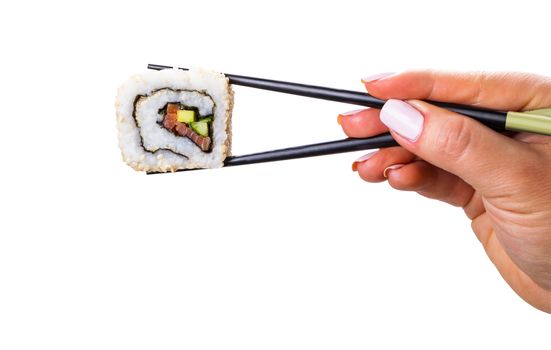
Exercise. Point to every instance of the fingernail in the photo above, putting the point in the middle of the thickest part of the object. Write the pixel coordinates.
(402, 118)
(356, 111)
(348, 114)
(362, 159)
(376, 77)
(392, 167)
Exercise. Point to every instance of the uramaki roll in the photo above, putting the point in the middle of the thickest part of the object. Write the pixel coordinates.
(172, 119)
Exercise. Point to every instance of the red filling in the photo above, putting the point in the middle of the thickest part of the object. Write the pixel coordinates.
(171, 123)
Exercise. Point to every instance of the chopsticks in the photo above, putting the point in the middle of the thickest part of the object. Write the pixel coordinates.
(491, 118)
(538, 121)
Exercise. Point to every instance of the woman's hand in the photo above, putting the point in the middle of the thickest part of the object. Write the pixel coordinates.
(502, 183)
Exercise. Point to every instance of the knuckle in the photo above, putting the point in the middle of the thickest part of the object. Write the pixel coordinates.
(454, 137)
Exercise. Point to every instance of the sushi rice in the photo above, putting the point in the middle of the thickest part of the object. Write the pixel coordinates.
(148, 146)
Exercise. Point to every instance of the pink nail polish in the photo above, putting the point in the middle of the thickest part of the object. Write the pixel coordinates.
(362, 159)
(392, 167)
(376, 77)
(402, 118)
(356, 111)
(365, 157)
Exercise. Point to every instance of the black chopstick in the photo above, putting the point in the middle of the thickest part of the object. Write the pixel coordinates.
(490, 118)
(313, 150)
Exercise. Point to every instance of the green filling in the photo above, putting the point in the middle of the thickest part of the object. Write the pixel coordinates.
(200, 127)
(206, 119)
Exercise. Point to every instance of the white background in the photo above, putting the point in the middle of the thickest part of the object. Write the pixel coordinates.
(299, 254)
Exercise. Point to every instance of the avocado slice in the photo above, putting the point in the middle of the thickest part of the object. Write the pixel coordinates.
(185, 116)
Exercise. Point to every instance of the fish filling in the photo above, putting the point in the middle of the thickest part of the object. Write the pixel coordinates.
(185, 121)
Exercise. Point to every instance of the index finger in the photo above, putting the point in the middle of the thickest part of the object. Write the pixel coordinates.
(497, 90)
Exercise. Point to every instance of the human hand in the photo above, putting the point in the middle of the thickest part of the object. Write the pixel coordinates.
(502, 183)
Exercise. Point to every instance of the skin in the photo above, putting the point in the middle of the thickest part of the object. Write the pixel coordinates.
(502, 181)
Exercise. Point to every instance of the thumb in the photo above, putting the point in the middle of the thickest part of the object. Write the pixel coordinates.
(457, 144)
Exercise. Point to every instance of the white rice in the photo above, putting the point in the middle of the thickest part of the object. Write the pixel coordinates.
(146, 145)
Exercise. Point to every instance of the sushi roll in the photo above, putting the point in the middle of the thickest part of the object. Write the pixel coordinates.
(172, 119)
